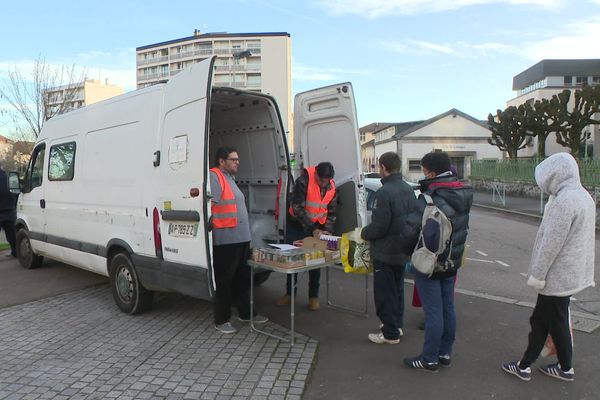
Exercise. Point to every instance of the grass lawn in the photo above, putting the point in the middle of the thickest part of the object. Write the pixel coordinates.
(4, 246)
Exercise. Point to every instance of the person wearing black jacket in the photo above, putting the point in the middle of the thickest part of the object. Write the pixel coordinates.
(437, 291)
(389, 250)
(314, 186)
(8, 212)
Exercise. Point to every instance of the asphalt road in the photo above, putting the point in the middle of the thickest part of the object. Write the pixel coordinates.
(498, 254)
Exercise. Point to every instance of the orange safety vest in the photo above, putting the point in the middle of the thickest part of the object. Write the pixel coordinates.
(315, 206)
(224, 213)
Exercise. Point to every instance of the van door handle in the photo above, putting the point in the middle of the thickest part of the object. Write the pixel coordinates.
(42, 203)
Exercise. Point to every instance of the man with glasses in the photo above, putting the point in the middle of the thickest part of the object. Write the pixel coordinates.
(231, 242)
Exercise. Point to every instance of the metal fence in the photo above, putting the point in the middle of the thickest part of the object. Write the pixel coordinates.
(523, 170)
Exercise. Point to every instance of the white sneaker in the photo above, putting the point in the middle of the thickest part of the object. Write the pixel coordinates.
(226, 328)
(400, 332)
(380, 339)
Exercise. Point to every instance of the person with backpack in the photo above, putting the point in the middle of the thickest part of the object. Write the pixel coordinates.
(438, 228)
(562, 264)
(389, 252)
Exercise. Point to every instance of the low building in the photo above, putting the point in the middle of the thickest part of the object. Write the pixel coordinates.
(547, 78)
(463, 137)
(69, 97)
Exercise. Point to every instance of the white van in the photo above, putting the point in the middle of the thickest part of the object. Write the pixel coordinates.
(122, 187)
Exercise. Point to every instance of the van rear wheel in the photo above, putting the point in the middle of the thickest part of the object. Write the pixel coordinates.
(129, 294)
(27, 258)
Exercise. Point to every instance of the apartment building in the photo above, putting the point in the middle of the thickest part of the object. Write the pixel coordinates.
(550, 77)
(258, 62)
(69, 97)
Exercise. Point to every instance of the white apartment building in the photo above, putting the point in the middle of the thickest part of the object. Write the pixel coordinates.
(550, 77)
(258, 62)
(463, 137)
(69, 97)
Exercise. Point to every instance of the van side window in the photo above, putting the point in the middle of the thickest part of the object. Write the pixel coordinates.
(37, 167)
(61, 166)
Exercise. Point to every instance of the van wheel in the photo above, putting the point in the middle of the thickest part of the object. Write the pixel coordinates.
(27, 258)
(129, 294)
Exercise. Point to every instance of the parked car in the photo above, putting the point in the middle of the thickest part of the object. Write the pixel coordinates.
(372, 185)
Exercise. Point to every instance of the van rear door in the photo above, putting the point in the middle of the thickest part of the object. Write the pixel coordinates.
(182, 199)
(326, 129)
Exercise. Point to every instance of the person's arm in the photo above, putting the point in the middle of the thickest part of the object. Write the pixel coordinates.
(215, 188)
(299, 203)
(556, 225)
(380, 219)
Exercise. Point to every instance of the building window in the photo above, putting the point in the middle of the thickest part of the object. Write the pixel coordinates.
(568, 80)
(62, 162)
(414, 165)
(581, 80)
(595, 80)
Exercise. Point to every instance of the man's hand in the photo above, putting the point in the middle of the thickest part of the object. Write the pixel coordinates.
(317, 233)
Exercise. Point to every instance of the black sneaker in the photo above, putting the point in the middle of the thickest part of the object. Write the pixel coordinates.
(555, 371)
(445, 361)
(421, 365)
(514, 369)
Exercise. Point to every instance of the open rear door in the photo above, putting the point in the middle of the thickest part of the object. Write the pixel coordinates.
(183, 202)
(326, 129)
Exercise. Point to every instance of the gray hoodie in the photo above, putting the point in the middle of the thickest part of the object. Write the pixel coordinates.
(562, 260)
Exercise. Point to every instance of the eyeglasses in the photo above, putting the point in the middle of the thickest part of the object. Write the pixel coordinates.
(233, 159)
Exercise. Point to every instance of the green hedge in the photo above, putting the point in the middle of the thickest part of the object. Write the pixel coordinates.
(523, 170)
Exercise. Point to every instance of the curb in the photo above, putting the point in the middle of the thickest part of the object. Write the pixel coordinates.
(524, 214)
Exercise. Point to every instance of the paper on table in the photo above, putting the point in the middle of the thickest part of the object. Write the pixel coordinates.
(283, 246)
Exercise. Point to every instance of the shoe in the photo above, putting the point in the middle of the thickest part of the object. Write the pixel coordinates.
(514, 369)
(226, 328)
(380, 339)
(445, 361)
(400, 331)
(284, 300)
(555, 371)
(419, 364)
(313, 304)
(257, 319)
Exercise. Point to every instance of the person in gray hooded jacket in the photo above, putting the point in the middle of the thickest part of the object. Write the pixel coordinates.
(562, 264)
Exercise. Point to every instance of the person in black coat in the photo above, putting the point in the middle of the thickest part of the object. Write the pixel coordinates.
(437, 291)
(8, 212)
(389, 250)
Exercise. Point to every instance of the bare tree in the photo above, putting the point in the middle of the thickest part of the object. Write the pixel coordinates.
(27, 96)
(509, 130)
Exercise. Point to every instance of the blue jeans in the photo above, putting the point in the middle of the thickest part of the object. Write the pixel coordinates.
(388, 290)
(437, 297)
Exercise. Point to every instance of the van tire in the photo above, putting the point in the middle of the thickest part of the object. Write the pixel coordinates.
(27, 258)
(129, 294)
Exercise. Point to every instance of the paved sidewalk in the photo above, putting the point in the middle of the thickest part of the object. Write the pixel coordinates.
(532, 207)
(80, 346)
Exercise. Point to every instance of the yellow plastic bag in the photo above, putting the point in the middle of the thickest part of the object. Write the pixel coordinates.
(355, 253)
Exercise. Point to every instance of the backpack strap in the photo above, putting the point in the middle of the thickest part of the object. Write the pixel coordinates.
(428, 199)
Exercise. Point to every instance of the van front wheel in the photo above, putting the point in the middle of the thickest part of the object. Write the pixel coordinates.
(27, 258)
(129, 294)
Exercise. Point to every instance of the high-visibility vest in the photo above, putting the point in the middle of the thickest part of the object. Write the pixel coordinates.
(315, 206)
(224, 213)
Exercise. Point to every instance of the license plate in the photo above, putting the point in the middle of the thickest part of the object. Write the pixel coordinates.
(183, 230)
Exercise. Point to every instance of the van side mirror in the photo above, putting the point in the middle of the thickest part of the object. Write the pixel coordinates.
(14, 184)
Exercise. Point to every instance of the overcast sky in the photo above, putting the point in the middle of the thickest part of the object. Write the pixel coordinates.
(407, 59)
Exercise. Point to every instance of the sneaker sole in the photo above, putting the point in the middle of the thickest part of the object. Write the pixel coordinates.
(526, 379)
(555, 376)
(430, 371)
(385, 341)
(226, 332)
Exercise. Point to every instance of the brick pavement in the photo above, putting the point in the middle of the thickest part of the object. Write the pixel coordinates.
(80, 346)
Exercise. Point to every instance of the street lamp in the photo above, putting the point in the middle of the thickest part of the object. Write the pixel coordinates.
(238, 56)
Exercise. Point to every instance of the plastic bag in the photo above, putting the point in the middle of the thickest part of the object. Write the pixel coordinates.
(355, 253)
(549, 348)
